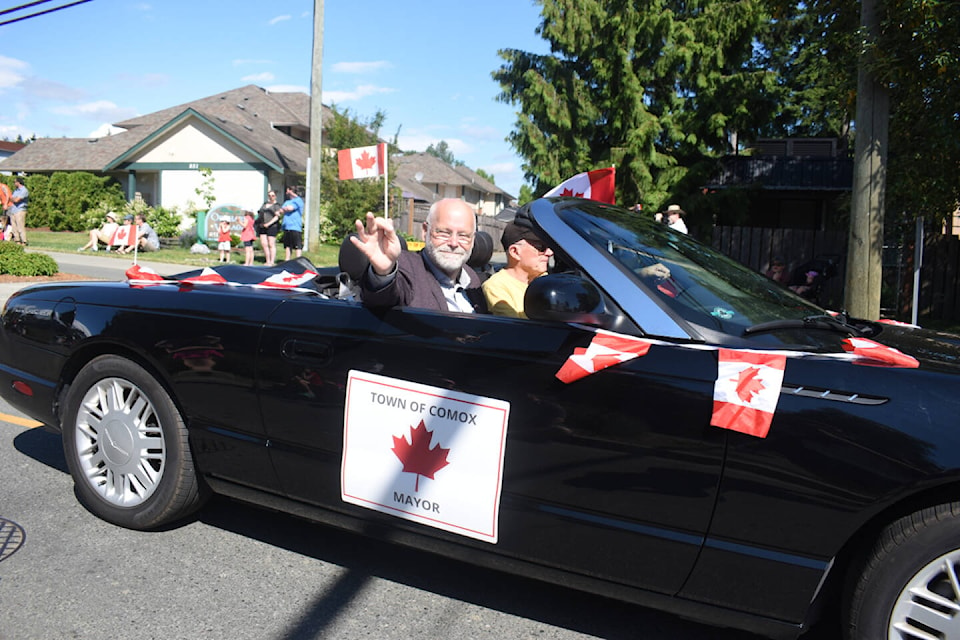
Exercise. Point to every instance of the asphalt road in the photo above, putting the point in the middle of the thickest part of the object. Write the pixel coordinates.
(240, 572)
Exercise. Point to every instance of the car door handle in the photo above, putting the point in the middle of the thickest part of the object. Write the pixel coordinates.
(300, 350)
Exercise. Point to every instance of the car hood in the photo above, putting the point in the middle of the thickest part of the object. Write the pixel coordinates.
(934, 349)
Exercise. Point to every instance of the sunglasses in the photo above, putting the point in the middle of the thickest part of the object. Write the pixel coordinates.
(539, 245)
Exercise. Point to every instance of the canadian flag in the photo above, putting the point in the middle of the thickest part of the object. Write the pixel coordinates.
(287, 280)
(594, 185)
(208, 276)
(362, 162)
(878, 354)
(606, 349)
(124, 236)
(747, 389)
(141, 273)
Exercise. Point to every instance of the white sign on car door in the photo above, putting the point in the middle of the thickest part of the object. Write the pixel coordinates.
(423, 453)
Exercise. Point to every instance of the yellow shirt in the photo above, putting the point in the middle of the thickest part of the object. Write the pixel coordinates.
(504, 295)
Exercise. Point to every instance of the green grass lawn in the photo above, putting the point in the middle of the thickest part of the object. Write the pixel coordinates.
(69, 241)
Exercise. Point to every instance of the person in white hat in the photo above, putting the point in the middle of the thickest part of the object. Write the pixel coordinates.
(104, 234)
(675, 218)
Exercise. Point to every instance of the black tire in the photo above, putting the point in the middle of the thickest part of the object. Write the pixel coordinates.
(914, 556)
(126, 446)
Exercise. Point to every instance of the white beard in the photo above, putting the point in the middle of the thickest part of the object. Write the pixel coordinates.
(448, 261)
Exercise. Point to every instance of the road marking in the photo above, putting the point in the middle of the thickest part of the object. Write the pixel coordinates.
(23, 422)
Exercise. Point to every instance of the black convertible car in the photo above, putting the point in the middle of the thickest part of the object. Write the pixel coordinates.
(667, 427)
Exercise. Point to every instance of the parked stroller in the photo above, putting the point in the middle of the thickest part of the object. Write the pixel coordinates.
(807, 279)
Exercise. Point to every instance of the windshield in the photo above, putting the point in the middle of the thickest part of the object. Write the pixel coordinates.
(701, 285)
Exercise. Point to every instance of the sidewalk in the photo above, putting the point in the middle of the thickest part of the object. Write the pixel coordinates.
(94, 267)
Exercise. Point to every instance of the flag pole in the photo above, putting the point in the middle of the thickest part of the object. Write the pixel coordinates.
(386, 174)
(136, 241)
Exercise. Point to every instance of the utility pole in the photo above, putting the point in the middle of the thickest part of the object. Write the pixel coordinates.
(316, 131)
(865, 245)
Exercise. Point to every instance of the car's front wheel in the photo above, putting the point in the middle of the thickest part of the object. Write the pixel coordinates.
(126, 446)
(910, 586)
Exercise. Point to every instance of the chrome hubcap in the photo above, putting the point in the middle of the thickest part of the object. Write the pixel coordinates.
(929, 605)
(120, 443)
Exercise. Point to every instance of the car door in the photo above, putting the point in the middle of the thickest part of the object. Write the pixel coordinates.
(613, 475)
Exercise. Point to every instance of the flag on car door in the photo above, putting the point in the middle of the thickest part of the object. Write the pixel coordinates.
(605, 350)
(593, 185)
(362, 162)
(747, 389)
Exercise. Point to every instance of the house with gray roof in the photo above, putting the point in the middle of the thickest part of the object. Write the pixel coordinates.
(252, 140)
(425, 178)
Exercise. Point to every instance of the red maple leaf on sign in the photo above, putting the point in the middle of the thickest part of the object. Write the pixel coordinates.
(749, 384)
(366, 161)
(417, 456)
(571, 192)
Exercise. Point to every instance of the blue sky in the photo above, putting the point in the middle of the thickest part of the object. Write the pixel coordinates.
(426, 63)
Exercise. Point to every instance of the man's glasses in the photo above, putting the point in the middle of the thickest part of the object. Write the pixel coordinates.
(444, 235)
(539, 245)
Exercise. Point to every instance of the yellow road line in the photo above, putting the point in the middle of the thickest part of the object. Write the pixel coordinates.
(23, 422)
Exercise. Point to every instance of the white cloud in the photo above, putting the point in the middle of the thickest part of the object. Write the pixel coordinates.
(281, 18)
(97, 110)
(361, 91)
(106, 129)
(360, 67)
(10, 75)
(44, 89)
(499, 168)
(288, 88)
(266, 76)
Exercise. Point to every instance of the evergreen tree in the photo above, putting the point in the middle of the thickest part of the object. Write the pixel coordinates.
(654, 87)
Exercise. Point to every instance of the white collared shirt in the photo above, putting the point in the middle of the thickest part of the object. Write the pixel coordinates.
(454, 292)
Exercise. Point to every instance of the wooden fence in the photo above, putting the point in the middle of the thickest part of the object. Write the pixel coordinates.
(755, 247)
(939, 298)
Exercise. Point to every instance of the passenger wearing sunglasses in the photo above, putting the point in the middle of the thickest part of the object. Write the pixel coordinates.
(527, 258)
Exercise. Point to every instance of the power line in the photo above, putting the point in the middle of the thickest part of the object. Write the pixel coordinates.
(38, 13)
(23, 6)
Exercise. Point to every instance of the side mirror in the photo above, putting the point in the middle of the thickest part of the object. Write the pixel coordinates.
(564, 297)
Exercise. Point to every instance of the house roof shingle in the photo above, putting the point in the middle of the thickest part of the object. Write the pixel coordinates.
(247, 114)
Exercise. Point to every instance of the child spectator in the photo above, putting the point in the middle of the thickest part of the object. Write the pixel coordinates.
(247, 236)
(223, 240)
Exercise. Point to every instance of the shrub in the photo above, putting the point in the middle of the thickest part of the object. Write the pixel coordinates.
(62, 200)
(10, 248)
(27, 264)
(165, 222)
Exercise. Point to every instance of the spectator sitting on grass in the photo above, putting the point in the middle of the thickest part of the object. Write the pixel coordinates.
(147, 239)
(104, 234)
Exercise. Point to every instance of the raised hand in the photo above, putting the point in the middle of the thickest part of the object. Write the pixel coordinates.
(377, 240)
